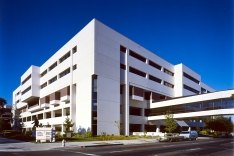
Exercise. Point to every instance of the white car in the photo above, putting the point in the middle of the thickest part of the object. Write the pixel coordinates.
(189, 135)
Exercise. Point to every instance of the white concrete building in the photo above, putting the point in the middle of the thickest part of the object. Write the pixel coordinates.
(104, 82)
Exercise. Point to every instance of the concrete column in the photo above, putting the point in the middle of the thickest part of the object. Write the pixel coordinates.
(158, 129)
(62, 129)
(142, 127)
(126, 106)
(64, 112)
(52, 114)
(44, 115)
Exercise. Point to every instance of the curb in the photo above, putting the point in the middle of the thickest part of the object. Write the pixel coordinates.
(101, 145)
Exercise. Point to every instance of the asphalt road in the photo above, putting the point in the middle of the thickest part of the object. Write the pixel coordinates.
(214, 147)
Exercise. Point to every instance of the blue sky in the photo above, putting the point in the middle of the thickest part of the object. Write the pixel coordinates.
(198, 33)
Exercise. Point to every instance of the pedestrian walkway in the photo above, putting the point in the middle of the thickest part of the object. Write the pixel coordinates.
(10, 145)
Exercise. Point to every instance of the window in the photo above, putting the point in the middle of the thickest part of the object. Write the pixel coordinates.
(65, 72)
(26, 90)
(168, 72)
(190, 78)
(43, 85)
(137, 72)
(29, 118)
(58, 113)
(134, 111)
(122, 66)
(26, 79)
(203, 90)
(67, 111)
(155, 79)
(53, 80)
(191, 89)
(40, 116)
(151, 63)
(43, 73)
(123, 49)
(137, 56)
(74, 67)
(48, 115)
(64, 57)
(53, 66)
(74, 50)
(168, 84)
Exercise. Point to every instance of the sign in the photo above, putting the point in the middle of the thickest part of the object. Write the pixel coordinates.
(44, 134)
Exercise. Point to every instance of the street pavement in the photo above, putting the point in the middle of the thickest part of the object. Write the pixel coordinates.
(141, 147)
(10, 145)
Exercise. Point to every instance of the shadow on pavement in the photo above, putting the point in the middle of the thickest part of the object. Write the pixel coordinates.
(6, 141)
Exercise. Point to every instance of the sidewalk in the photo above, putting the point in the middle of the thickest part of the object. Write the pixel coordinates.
(9, 145)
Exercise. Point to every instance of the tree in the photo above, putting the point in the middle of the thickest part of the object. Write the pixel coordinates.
(68, 124)
(2, 102)
(17, 124)
(170, 123)
(220, 124)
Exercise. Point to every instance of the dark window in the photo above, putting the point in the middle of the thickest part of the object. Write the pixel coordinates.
(137, 91)
(26, 90)
(65, 72)
(191, 89)
(29, 118)
(53, 66)
(155, 65)
(43, 85)
(190, 78)
(53, 80)
(122, 66)
(40, 116)
(134, 127)
(137, 72)
(74, 50)
(150, 128)
(203, 90)
(155, 79)
(48, 115)
(147, 112)
(168, 84)
(137, 56)
(55, 96)
(64, 57)
(25, 80)
(58, 113)
(194, 107)
(67, 111)
(45, 99)
(121, 89)
(135, 111)
(74, 67)
(123, 49)
(43, 73)
(168, 72)
(65, 91)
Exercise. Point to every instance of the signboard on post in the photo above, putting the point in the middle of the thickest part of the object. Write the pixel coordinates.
(44, 134)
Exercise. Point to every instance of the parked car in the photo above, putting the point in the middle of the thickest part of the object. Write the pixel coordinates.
(189, 135)
(170, 137)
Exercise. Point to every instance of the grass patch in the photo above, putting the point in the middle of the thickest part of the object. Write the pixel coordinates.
(83, 138)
